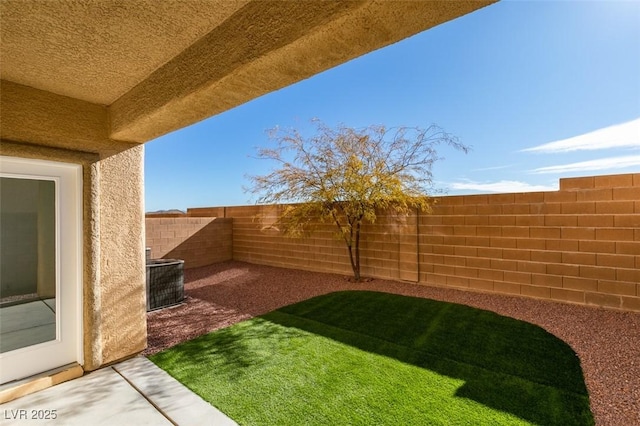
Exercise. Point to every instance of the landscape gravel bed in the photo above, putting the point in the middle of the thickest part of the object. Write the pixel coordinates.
(606, 341)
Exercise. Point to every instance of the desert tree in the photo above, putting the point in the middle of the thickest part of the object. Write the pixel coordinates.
(347, 176)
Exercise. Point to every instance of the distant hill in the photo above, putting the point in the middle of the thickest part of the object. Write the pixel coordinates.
(172, 211)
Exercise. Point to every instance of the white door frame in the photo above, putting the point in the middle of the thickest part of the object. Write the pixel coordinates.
(67, 347)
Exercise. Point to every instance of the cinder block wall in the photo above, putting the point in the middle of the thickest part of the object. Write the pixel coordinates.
(200, 241)
(580, 244)
(389, 247)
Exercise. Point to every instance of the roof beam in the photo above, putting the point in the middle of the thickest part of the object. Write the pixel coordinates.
(38, 117)
(263, 47)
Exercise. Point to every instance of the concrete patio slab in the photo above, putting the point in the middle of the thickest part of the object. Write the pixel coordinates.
(132, 392)
(177, 402)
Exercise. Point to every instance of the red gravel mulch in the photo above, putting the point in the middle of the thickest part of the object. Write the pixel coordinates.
(607, 341)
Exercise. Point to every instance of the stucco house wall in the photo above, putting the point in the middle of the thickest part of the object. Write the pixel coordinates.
(114, 310)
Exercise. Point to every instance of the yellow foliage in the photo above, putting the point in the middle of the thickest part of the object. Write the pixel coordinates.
(345, 175)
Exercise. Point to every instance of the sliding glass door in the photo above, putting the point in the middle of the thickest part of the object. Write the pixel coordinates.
(40, 266)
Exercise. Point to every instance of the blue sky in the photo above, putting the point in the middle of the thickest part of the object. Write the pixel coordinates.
(540, 90)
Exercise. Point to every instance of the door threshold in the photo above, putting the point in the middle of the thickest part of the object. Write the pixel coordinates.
(17, 388)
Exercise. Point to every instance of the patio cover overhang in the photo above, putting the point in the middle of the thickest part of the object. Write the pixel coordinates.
(102, 76)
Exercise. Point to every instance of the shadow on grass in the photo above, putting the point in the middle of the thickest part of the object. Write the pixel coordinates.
(506, 364)
(509, 365)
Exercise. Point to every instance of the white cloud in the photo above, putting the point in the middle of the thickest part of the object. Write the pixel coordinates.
(624, 135)
(600, 164)
(501, 186)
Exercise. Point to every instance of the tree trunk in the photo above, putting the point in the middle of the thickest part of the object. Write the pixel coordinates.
(354, 259)
(357, 261)
(354, 266)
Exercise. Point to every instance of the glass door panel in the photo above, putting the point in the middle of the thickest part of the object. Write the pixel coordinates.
(27, 262)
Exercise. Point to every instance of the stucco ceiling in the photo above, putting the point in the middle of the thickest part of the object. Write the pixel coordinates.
(97, 50)
(93, 73)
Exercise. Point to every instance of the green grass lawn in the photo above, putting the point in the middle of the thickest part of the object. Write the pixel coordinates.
(368, 358)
